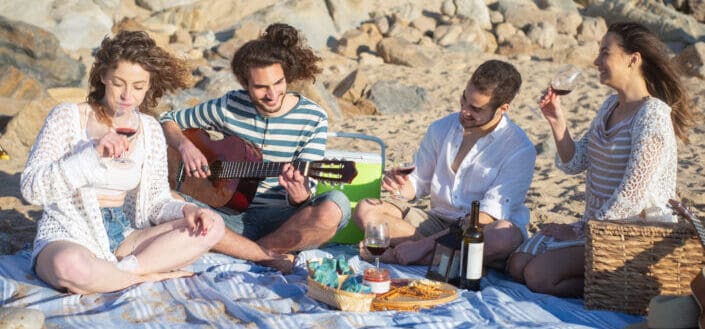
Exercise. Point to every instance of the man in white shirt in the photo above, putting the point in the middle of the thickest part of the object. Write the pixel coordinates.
(474, 154)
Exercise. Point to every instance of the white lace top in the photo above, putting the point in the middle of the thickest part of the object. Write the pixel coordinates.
(62, 169)
(631, 167)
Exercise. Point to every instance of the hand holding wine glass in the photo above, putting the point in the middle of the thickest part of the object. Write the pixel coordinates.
(376, 239)
(565, 80)
(126, 123)
(402, 165)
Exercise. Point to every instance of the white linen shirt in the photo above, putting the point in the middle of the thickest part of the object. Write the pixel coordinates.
(497, 171)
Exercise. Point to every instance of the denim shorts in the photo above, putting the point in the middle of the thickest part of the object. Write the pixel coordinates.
(116, 225)
(258, 221)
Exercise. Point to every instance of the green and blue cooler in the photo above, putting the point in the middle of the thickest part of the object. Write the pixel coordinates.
(367, 183)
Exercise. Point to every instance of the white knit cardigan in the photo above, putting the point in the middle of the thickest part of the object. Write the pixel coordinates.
(62, 169)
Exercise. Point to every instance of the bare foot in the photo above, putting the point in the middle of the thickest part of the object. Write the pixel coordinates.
(280, 262)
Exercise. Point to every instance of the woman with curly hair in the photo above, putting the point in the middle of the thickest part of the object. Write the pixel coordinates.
(286, 126)
(109, 219)
(629, 152)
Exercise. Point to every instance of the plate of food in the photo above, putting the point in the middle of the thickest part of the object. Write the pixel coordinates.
(414, 294)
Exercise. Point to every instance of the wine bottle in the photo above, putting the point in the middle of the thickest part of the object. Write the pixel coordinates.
(471, 250)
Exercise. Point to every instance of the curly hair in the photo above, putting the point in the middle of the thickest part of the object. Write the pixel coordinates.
(500, 79)
(166, 72)
(279, 44)
(661, 76)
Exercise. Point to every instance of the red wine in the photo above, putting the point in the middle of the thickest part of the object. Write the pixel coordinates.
(375, 249)
(561, 92)
(405, 171)
(128, 132)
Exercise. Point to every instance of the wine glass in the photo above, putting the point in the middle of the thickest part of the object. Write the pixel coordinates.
(402, 164)
(376, 239)
(126, 123)
(565, 80)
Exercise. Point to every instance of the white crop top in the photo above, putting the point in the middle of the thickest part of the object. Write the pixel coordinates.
(121, 177)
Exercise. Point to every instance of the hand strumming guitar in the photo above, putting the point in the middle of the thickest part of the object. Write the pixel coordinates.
(295, 184)
(195, 163)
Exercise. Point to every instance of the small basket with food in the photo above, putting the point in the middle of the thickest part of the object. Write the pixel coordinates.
(333, 282)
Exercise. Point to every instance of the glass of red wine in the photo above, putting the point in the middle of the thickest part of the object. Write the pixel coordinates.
(565, 80)
(402, 164)
(126, 123)
(377, 239)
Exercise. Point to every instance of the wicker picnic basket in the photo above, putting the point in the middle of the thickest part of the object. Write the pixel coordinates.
(628, 263)
(340, 299)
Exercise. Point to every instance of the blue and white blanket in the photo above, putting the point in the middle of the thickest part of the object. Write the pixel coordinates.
(231, 293)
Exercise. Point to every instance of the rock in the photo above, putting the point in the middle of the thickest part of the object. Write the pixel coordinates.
(352, 87)
(517, 44)
(204, 40)
(183, 99)
(354, 42)
(22, 129)
(496, 17)
(159, 5)
(568, 22)
(475, 9)
(692, 60)
(405, 32)
(76, 24)
(182, 37)
(309, 16)
(214, 15)
(68, 95)
(16, 84)
(504, 31)
(542, 34)
(366, 107)
(348, 14)
(580, 55)
(401, 52)
(425, 24)
(446, 35)
(382, 23)
(370, 59)
(448, 8)
(317, 92)
(697, 8)
(523, 13)
(21, 318)
(36, 52)
(391, 97)
(666, 22)
(592, 29)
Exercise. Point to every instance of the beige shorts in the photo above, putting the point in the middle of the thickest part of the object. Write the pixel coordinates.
(424, 222)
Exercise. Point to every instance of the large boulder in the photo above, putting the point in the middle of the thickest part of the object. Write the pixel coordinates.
(311, 17)
(159, 5)
(36, 52)
(669, 24)
(318, 93)
(401, 52)
(392, 97)
(77, 24)
(23, 128)
(216, 15)
(348, 14)
(475, 9)
(692, 60)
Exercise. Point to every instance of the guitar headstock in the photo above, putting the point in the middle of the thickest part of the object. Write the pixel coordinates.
(333, 171)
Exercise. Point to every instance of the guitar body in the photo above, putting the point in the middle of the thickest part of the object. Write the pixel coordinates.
(234, 193)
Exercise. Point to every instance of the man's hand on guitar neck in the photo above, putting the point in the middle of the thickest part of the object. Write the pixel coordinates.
(295, 184)
(195, 163)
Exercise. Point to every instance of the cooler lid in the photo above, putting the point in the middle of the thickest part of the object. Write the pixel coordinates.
(365, 157)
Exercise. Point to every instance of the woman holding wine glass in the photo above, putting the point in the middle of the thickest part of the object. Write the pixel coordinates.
(99, 170)
(629, 152)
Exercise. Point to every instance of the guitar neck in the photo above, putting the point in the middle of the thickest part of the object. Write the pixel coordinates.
(230, 169)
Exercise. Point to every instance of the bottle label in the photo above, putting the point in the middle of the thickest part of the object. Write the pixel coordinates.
(474, 265)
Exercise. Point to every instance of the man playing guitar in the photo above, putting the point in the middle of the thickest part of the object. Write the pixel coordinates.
(287, 127)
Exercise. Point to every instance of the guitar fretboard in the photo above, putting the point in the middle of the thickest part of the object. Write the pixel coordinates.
(228, 170)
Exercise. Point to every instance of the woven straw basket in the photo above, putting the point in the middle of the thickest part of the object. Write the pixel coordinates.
(340, 299)
(628, 263)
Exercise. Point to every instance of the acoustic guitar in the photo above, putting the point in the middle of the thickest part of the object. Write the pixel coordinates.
(236, 169)
(697, 286)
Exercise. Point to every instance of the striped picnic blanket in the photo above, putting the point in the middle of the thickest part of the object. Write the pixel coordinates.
(230, 293)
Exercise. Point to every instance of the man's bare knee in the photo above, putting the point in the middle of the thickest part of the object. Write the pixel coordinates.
(177, 196)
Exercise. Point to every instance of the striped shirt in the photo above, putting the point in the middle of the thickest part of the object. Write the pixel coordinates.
(299, 134)
(631, 168)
